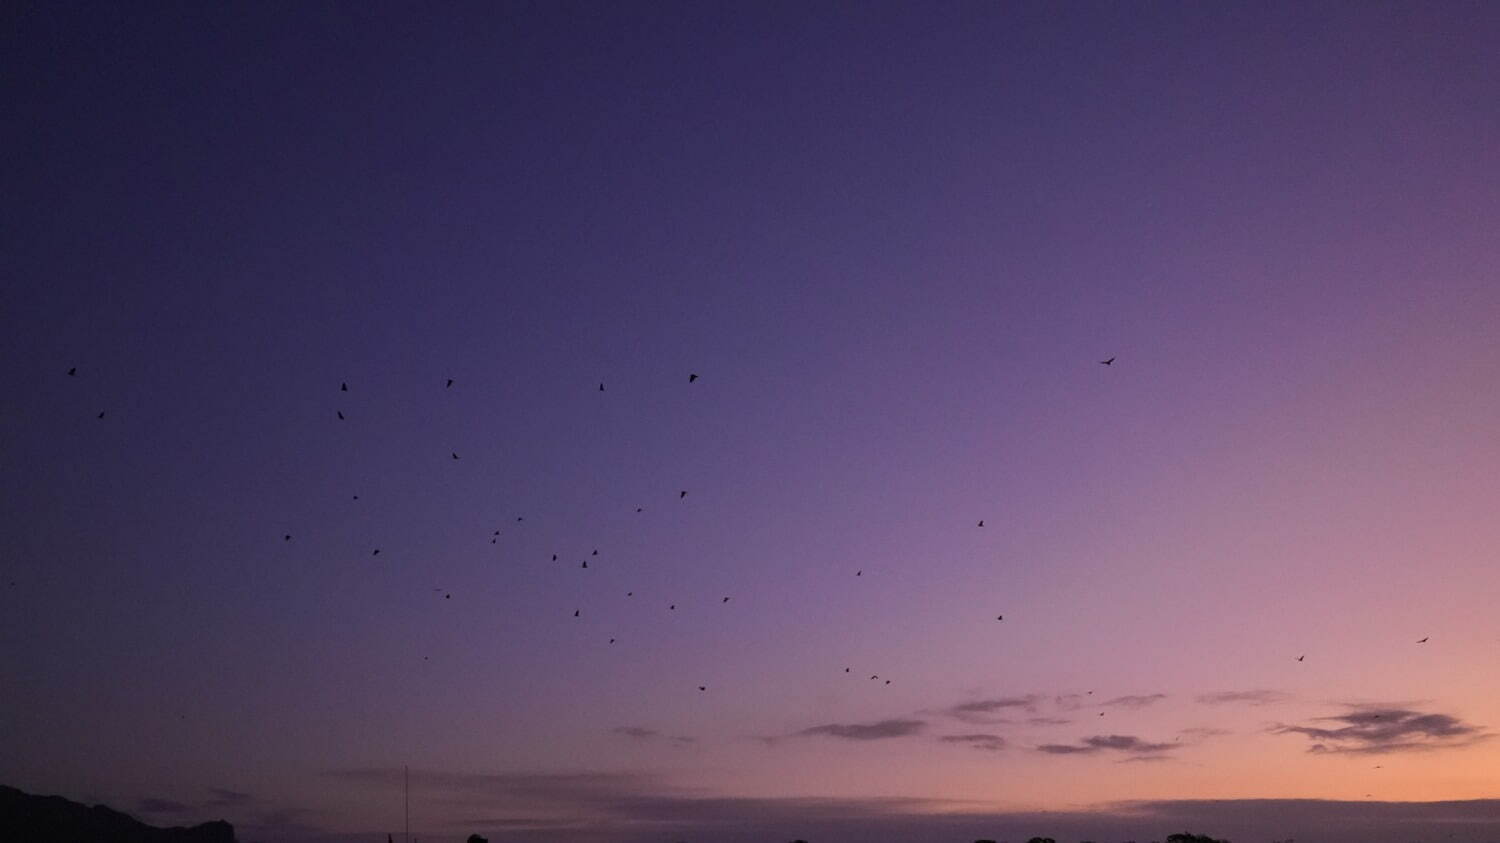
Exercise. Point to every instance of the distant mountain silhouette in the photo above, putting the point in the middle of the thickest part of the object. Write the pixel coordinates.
(53, 819)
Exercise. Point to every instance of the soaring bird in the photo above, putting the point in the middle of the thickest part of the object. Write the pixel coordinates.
(1424, 639)
(450, 384)
(874, 676)
(682, 494)
(585, 563)
(596, 551)
(887, 681)
(981, 522)
(497, 532)
(287, 537)
(101, 414)
(859, 573)
(343, 387)
(1301, 657)
(601, 387)
(447, 597)
(73, 372)
(575, 613)
(554, 557)
(846, 670)
(640, 509)
(672, 607)
(356, 497)
(1002, 617)
(611, 640)
(630, 594)
(1109, 362)
(703, 687)
(692, 378)
(376, 553)
(726, 600)
(455, 455)
(341, 414)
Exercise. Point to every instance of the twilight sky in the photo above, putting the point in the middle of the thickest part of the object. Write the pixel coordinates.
(893, 241)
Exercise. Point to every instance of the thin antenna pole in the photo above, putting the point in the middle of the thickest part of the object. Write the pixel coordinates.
(406, 776)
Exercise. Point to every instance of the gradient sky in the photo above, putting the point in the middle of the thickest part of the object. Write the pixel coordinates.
(894, 241)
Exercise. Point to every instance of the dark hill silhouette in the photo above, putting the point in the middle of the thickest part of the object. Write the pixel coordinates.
(53, 819)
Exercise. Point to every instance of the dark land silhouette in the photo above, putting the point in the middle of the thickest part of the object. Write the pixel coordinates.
(52, 819)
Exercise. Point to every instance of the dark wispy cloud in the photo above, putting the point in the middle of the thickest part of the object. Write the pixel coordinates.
(1256, 697)
(1069, 702)
(152, 805)
(1134, 700)
(897, 728)
(643, 734)
(1128, 744)
(1047, 721)
(1375, 729)
(988, 711)
(227, 798)
(987, 742)
(1202, 732)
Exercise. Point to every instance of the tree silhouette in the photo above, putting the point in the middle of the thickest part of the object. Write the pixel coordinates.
(474, 838)
(1041, 840)
(1187, 837)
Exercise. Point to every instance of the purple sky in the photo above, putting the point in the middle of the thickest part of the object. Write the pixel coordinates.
(894, 241)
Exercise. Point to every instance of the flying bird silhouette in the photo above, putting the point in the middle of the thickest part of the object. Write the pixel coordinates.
(887, 681)
(450, 384)
(596, 551)
(692, 378)
(376, 553)
(287, 537)
(575, 612)
(73, 372)
(640, 509)
(1424, 639)
(455, 455)
(726, 600)
(611, 640)
(874, 676)
(1109, 362)
(1002, 617)
(343, 387)
(672, 607)
(341, 414)
(101, 414)
(846, 670)
(682, 494)
(703, 687)
(859, 573)
(981, 523)
(554, 557)
(585, 563)
(601, 387)
(630, 594)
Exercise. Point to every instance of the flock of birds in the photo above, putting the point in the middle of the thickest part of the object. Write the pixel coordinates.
(682, 494)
